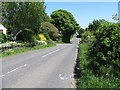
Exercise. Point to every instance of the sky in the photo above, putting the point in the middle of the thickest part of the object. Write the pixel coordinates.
(85, 12)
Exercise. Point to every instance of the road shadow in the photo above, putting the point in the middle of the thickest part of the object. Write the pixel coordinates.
(77, 71)
(78, 36)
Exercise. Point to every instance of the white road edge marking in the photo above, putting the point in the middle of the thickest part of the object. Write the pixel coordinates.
(50, 53)
(70, 76)
(63, 78)
(14, 70)
(17, 68)
(59, 75)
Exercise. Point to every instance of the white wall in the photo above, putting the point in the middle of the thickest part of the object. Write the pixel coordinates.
(4, 29)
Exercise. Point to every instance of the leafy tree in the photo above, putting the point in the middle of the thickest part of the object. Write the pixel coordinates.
(23, 15)
(0, 12)
(115, 17)
(96, 24)
(50, 29)
(65, 22)
(9, 13)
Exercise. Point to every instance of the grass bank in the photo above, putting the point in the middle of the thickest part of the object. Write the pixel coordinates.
(87, 79)
(24, 49)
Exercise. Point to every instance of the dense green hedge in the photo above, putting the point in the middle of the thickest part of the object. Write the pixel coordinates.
(99, 57)
(106, 50)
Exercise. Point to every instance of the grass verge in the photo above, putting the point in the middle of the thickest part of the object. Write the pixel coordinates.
(24, 49)
(86, 77)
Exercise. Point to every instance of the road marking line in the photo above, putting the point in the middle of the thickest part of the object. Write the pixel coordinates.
(14, 70)
(70, 76)
(50, 53)
(17, 68)
(2, 75)
(59, 75)
(64, 77)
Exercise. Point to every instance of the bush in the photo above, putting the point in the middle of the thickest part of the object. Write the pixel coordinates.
(106, 50)
(26, 35)
(88, 37)
(37, 37)
(46, 36)
(3, 38)
(99, 58)
(49, 28)
(87, 77)
(42, 37)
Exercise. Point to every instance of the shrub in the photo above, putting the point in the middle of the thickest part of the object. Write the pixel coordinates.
(88, 37)
(99, 58)
(37, 37)
(42, 37)
(106, 50)
(46, 36)
(49, 28)
(3, 38)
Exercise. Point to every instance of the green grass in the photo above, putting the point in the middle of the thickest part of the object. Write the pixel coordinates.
(83, 50)
(87, 79)
(90, 81)
(24, 49)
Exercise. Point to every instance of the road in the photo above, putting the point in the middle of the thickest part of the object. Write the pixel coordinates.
(47, 68)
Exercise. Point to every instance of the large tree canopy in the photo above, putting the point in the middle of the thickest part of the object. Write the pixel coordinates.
(24, 16)
(65, 22)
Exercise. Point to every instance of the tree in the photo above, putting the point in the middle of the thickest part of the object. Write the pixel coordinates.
(115, 17)
(80, 31)
(65, 22)
(50, 29)
(23, 16)
(96, 24)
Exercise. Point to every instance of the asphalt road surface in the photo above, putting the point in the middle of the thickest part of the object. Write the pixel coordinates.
(47, 68)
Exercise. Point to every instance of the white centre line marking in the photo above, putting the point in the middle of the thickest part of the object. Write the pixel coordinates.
(14, 70)
(50, 53)
(17, 68)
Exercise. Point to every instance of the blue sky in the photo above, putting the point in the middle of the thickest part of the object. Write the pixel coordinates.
(85, 12)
